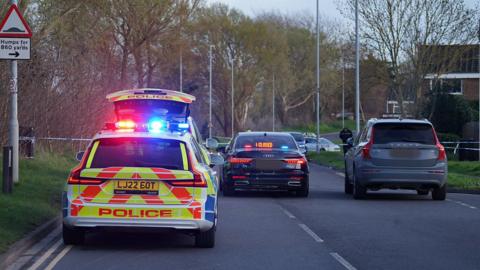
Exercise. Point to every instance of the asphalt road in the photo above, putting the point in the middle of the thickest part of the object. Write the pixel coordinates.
(328, 230)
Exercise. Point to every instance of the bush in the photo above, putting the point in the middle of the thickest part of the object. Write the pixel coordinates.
(448, 137)
(450, 112)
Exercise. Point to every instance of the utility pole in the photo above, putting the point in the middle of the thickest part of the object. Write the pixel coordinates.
(318, 83)
(13, 121)
(273, 103)
(210, 124)
(232, 60)
(357, 72)
(479, 89)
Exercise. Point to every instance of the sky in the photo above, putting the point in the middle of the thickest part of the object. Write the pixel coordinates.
(328, 8)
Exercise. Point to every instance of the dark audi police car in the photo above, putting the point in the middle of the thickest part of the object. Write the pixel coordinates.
(265, 161)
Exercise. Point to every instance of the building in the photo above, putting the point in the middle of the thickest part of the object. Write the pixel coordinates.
(455, 69)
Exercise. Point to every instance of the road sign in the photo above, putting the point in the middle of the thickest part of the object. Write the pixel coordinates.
(14, 36)
(14, 25)
(15, 48)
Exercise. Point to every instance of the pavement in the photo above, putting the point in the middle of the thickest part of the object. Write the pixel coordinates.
(327, 230)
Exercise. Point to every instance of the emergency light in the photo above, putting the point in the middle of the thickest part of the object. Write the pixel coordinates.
(156, 125)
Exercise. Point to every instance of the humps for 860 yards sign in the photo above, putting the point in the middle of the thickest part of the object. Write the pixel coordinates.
(15, 36)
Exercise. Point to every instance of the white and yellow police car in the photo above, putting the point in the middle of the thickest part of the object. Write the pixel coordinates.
(147, 173)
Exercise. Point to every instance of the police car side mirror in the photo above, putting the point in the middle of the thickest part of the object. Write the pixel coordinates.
(211, 144)
(216, 160)
(79, 155)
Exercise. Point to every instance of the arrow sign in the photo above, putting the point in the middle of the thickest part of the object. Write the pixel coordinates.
(14, 25)
(15, 48)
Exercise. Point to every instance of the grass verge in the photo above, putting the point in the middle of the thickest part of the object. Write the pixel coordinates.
(332, 159)
(36, 199)
(461, 174)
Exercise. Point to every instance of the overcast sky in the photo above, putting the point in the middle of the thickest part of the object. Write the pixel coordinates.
(327, 7)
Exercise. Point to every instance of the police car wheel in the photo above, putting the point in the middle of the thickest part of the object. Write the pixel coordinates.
(206, 239)
(72, 236)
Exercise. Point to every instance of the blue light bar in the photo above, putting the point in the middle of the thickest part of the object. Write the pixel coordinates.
(155, 125)
(284, 147)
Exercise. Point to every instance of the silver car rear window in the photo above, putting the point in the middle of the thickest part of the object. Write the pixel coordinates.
(403, 132)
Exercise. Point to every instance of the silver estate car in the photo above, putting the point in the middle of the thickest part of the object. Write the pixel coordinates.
(396, 154)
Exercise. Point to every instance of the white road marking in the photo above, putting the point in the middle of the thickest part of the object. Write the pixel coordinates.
(340, 174)
(463, 204)
(60, 255)
(311, 233)
(46, 255)
(341, 260)
(290, 215)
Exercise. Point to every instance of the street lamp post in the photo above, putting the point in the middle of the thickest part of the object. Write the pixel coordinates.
(13, 121)
(273, 103)
(210, 124)
(318, 83)
(478, 89)
(343, 89)
(357, 72)
(232, 60)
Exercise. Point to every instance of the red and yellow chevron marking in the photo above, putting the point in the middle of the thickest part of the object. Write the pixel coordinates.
(136, 173)
(185, 202)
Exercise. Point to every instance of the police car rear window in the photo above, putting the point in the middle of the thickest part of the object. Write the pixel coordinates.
(403, 132)
(140, 152)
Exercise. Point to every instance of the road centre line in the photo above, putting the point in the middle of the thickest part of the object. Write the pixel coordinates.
(462, 204)
(342, 261)
(46, 255)
(290, 215)
(60, 255)
(311, 233)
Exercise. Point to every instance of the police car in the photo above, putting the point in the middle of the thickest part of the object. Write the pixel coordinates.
(142, 173)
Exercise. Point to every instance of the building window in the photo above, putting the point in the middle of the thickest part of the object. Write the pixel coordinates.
(393, 107)
(452, 86)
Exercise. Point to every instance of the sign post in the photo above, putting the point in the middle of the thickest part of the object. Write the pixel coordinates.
(15, 37)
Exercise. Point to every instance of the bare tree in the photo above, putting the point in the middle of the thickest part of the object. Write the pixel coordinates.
(396, 31)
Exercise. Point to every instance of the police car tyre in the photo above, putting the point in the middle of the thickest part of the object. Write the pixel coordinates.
(348, 185)
(439, 194)
(422, 192)
(359, 191)
(73, 236)
(205, 239)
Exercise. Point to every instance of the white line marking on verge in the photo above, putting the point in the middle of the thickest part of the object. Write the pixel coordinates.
(290, 215)
(340, 174)
(46, 255)
(341, 260)
(60, 255)
(311, 233)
